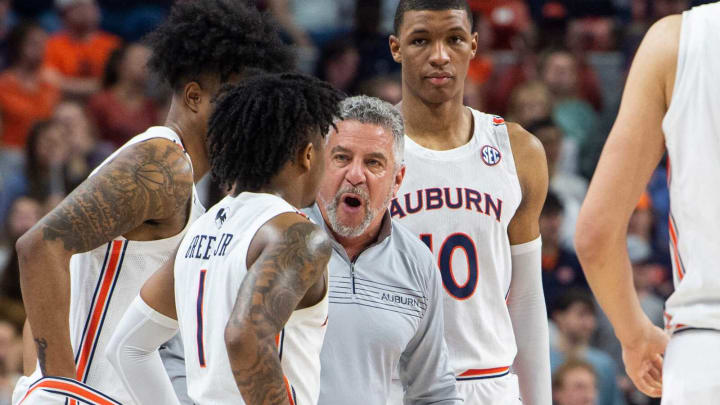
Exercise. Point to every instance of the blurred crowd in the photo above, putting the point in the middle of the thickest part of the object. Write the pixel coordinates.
(73, 87)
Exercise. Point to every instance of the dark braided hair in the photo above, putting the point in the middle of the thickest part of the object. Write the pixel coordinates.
(219, 37)
(260, 124)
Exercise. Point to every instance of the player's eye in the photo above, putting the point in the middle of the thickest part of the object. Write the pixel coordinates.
(342, 158)
(419, 41)
(457, 39)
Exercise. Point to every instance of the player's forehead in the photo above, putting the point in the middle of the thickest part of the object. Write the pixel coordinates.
(434, 21)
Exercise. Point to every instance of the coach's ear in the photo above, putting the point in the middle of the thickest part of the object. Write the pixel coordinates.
(399, 176)
(395, 48)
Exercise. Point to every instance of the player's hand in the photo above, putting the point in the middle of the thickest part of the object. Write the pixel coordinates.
(643, 359)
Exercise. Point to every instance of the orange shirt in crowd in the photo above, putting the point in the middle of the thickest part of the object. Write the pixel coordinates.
(21, 106)
(80, 59)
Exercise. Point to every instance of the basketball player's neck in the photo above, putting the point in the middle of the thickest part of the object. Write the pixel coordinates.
(192, 136)
(440, 126)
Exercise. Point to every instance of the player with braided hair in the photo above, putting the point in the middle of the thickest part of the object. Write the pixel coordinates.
(107, 237)
(286, 117)
(248, 286)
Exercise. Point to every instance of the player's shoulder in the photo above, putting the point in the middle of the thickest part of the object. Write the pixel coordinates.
(163, 154)
(527, 149)
(662, 40)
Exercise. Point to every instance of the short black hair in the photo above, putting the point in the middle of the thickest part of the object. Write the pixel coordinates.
(553, 205)
(259, 125)
(538, 125)
(16, 38)
(111, 75)
(573, 296)
(219, 37)
(434, 5)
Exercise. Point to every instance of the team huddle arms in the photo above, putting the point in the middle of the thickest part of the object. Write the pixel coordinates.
(145, 193)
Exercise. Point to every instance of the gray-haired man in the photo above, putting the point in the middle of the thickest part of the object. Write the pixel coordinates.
(385, 299)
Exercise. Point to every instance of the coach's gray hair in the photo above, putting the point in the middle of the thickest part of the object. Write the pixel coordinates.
(371, 110)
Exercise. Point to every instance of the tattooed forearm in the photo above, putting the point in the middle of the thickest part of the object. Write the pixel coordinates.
(152, 180)
(268, 295)
(41, 345)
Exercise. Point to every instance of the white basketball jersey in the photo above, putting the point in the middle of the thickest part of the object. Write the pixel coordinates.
(105, 281)
(460, 203)
(209, 268)
(692, 139)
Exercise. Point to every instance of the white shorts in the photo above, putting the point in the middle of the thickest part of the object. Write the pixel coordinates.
(691, 368)
(57, 391)
(503, 390)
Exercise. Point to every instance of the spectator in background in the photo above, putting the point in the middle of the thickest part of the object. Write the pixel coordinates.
(338, 64)
(123, 109)
(560, 267)
(25, 94)
(311, 24)
(574, 316)
(76, 56)
(574, 383)
(386, 88)
(568, 186)
(86, 151)
(559, 71)
(10, 360)
(529, 102)
(6, 24)
(371, 41)
(47, 152)
(524, 69)
(481, 68)
(24, 213)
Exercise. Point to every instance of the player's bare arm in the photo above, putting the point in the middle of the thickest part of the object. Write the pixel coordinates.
(138, 195)
(292, 262)
(158, 292)
(633, 149)
(531, 165)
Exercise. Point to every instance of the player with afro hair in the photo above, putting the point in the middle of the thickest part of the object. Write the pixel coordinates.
(220, 38)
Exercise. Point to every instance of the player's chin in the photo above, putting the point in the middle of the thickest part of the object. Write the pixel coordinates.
(437, 95)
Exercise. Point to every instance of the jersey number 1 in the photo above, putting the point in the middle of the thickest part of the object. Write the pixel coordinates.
(456, 241)
(200, 339)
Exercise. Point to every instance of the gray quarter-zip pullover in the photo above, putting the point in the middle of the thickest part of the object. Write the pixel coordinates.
(385, 314)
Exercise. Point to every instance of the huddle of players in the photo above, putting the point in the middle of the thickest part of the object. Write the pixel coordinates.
(249, 286)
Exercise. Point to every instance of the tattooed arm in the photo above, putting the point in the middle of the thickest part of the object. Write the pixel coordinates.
(149, 181)
(293, 259)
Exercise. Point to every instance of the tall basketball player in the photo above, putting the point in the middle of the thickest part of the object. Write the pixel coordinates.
(84, 263)
(253, 249)
(670, 105)
(473, 192)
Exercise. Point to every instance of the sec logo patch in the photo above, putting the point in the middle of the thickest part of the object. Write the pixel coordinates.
(490, 155)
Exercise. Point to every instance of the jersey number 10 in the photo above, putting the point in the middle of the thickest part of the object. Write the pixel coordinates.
(452, 242)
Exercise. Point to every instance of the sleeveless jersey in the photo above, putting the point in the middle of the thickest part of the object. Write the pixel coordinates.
(209, 268)
(692, 138)
(105, 281)
(460, 202)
